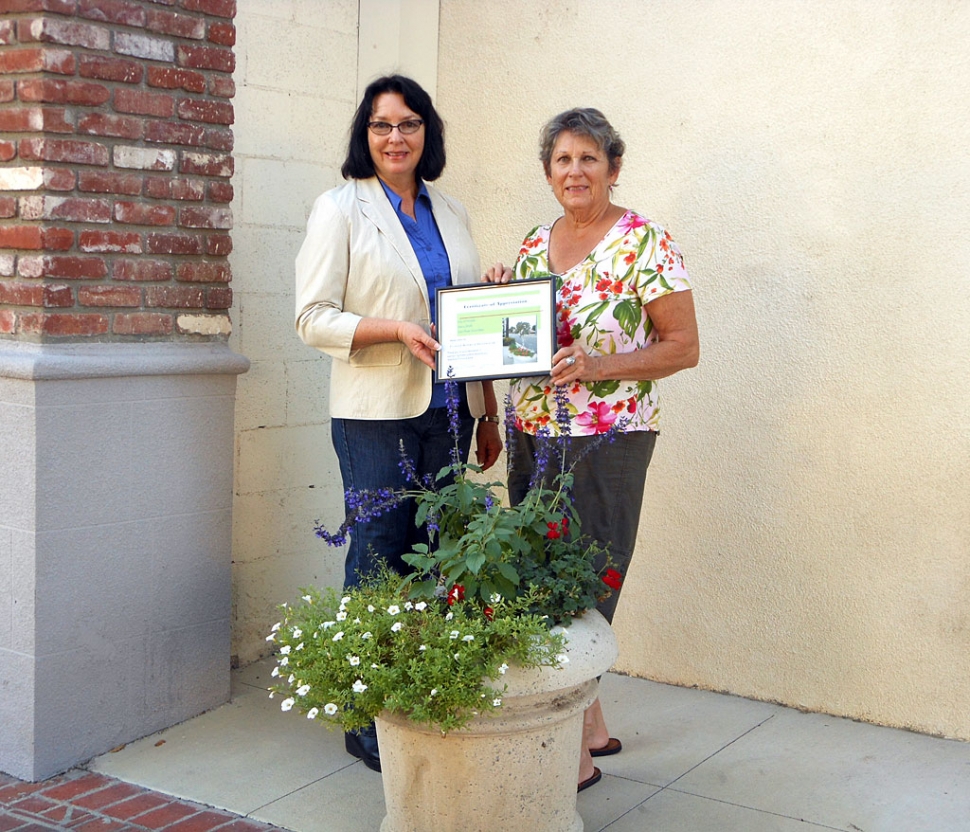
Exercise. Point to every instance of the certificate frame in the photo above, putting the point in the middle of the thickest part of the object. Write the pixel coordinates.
(496, 330)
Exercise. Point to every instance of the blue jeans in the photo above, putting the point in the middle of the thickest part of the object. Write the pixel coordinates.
(369, 453)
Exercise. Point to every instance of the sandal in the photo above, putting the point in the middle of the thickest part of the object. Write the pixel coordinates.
(614, 746)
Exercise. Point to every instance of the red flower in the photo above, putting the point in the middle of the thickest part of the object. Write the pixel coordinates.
(489, 613)
(613, 579)
(457, 594)
(553, 533)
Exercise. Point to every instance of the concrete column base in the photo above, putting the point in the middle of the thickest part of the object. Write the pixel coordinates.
(516, 769)
(115, 532)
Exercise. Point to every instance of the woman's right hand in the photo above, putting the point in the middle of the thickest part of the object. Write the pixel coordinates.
(422, 346)
(497, 274)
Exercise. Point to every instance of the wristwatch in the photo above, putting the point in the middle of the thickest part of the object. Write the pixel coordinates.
(494, 419)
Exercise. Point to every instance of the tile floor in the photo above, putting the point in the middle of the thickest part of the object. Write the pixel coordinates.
(693, 761)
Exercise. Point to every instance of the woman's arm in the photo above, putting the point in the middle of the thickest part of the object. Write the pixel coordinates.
(677, 348)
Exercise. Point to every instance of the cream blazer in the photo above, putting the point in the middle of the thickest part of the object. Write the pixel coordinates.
(357, 261)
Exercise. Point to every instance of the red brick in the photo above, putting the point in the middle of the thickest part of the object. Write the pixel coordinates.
(206, 57)
(219, 138)
(109, 296)
(105, 182)
(7, 151)
(220, 192)
(173, 23)
(8, 32)
(6, 88)
(59, 179)
(35, 120)
(173, 244)
(223, 34)
(101, 124)
(68, 209)
(64, 150)
(211, 112)
(67, 32)
(110, 69)
(159, 187)
(73, 268)
(135, 806)
(8, 324)
(22, 294)
(141, 270)
(170, 132)
(203, 272)
(36, 59)
(175, 297)
(95, 823)
(202, 822)
(33, 804)
(123, 12)
(205, 217)
(151, 323)
(55, 296)
(222, 86)
(20, 236)
(174, 79)
(144, 103)
(125, 242)
(144, 46)
(218, 245)
(59, 6)
(8, 207)
(142, 213)
(218, 8)
(55, 91)
(218, 297)
(63, 324)
(57, 239)
(207, 164)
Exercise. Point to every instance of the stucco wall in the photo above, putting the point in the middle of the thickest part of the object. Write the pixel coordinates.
(806, 530)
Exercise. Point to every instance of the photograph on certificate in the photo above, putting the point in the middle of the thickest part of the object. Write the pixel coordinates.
(496, 330)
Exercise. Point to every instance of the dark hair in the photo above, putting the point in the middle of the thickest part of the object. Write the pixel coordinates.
(360, 165)
(582, 121)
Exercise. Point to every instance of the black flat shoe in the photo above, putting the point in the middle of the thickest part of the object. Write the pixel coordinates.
(363, 744)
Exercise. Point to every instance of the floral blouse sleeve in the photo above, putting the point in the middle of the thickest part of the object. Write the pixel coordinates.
(602, 303)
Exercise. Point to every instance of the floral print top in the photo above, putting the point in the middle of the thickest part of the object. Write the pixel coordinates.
(601, 302)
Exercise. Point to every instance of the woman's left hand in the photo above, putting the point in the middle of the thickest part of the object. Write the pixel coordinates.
(488, 444)
(570, 364)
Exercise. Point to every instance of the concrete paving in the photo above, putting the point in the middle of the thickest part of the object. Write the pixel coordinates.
(692, 761)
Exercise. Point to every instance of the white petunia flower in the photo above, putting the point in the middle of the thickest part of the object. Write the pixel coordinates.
(354, 660)
(275, 627)
(421, 606)
(307, 598)
(285, 649)
(396, 626)
(496, 702)
(286, 704)
(330, 709)
(359, 686)
(408, 605)
(297, 632)
(367, 635)
(276, 672)
(299, 646)
(345, 600)
(454, 634)
(327, 624)
(502, 668)
(341, 616)
(284, 661)
(495, 598)
(356, 621)
(457, 657)
(449, 616)
(562, 658)
(338, 636)
(375, 667)
(468, 638)
(433, 691)
(370, 608)
(302, 690)
(291, 680)
(312, 713)
(271, 637)
(394, 609)
(423, 647)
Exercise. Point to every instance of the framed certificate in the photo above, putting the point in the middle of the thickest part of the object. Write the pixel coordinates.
(496, 330)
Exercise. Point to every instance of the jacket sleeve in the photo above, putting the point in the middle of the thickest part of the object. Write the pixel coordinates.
(322, 272)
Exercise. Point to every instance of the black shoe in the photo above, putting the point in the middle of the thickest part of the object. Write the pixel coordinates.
(363, 744)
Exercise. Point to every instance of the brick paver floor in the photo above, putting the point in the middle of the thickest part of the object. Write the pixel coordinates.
(86, 802)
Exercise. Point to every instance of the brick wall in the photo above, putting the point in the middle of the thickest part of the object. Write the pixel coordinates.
(115, 160)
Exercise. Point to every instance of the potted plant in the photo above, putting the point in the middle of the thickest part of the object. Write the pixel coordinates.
(488, 651)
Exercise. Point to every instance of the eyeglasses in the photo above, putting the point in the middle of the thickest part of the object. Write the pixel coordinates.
(384, 128)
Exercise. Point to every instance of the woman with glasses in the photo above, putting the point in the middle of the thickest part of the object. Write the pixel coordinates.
(625, 318)
(376, 250)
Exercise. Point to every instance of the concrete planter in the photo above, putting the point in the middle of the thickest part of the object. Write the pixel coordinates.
(516, 769)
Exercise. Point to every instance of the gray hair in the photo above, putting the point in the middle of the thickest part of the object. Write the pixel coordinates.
(581, 121)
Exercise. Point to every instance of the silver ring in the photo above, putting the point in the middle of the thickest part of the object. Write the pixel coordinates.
(570, 360)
